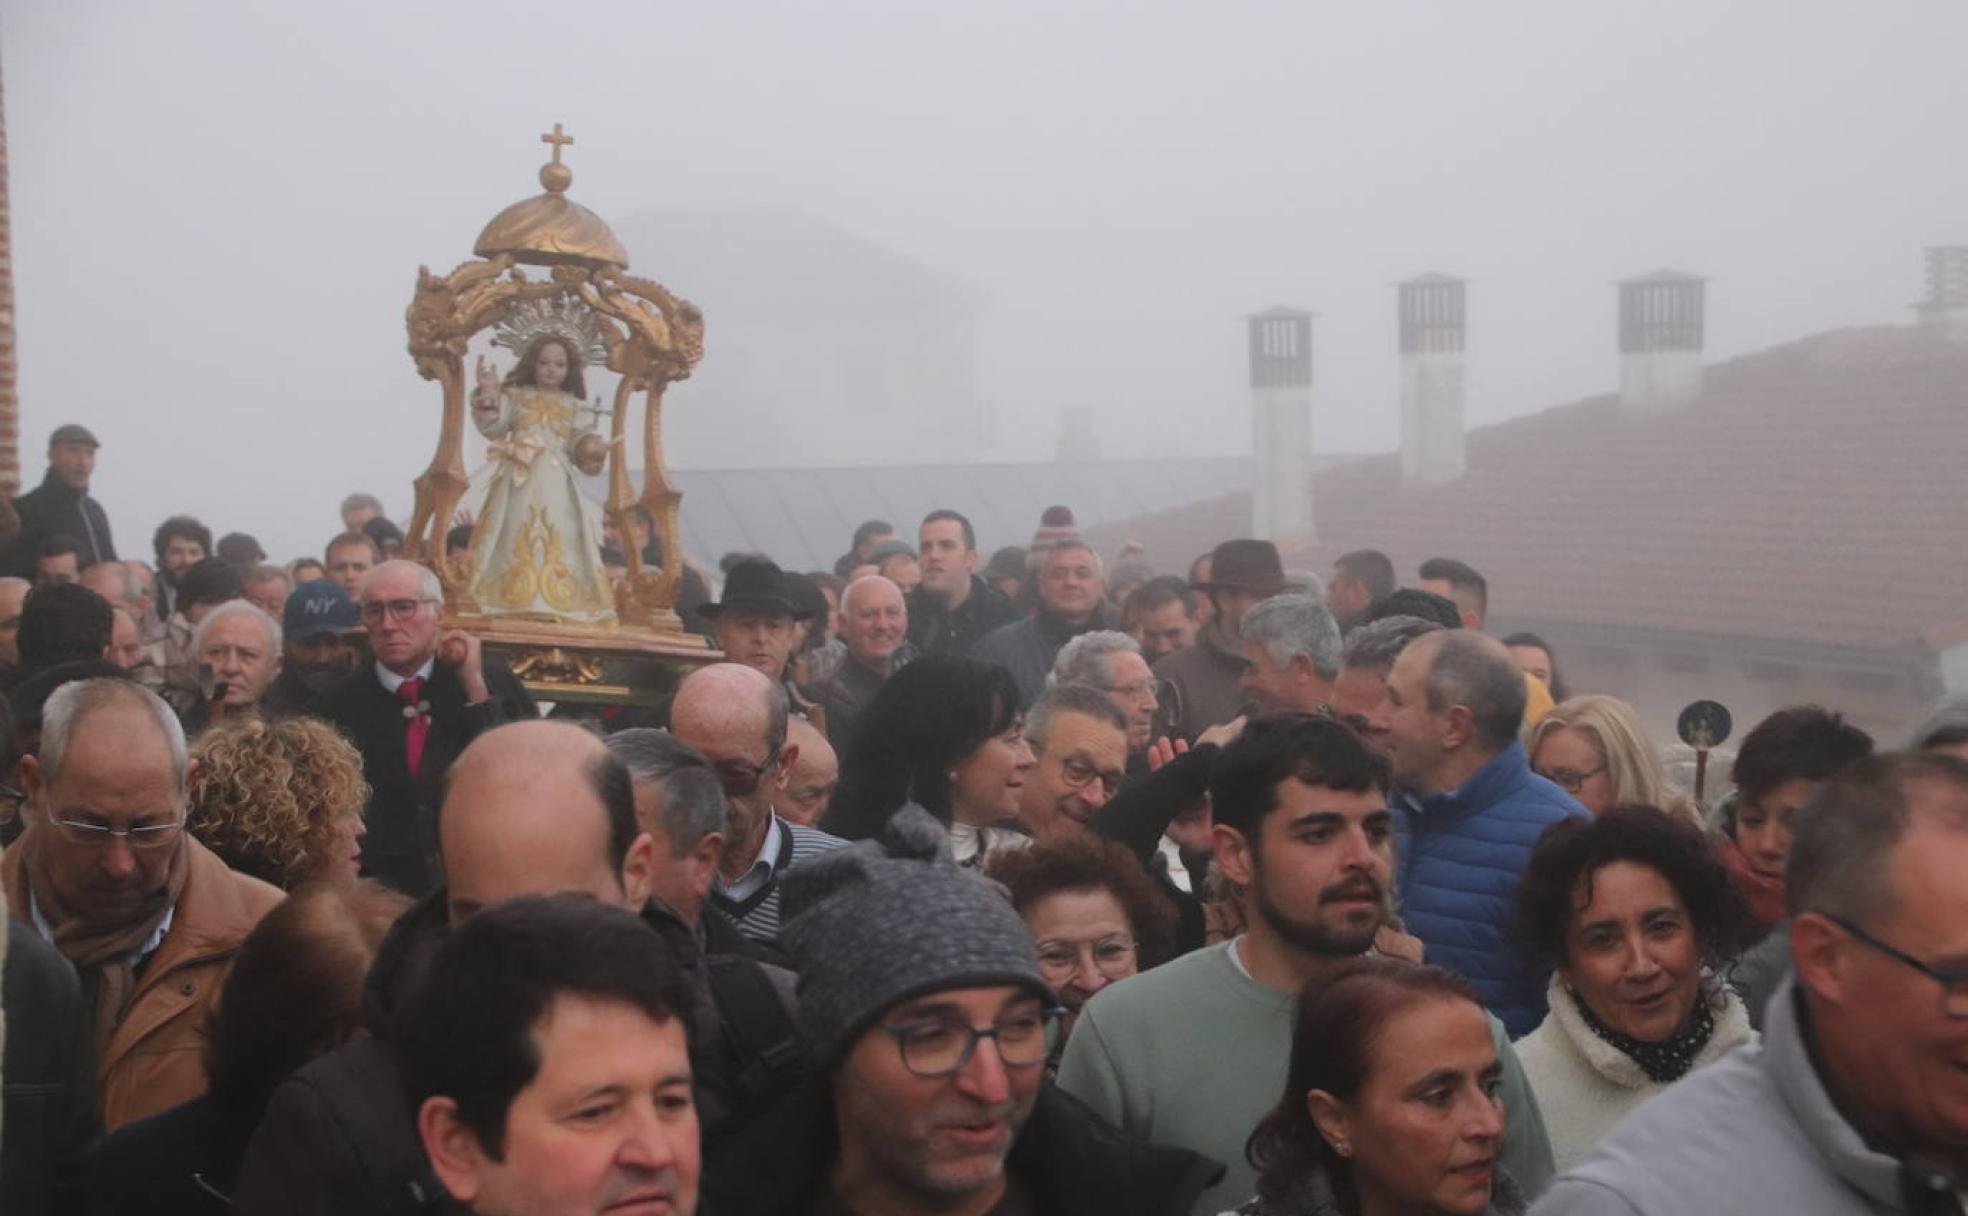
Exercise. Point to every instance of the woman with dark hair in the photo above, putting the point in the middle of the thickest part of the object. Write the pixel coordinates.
(1636, 914)
(535, 548)
(294, 993)
(1390, 1102)
(1780, 764)
(1095, 915)
(1539, 662)
(944, 733)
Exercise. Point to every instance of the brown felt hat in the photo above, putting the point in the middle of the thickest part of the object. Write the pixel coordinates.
(1247, 565)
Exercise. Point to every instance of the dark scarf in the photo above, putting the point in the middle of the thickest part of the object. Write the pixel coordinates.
(1672, 1057)
(106, 945)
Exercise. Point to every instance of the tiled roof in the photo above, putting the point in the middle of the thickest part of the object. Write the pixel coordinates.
(1816, 493)
(804, 518)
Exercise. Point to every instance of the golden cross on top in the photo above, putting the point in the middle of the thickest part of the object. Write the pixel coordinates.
(558, 141)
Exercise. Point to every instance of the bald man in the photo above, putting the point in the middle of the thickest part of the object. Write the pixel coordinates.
(874, 626)
(737, 719)
(810, 786)
(531, 808)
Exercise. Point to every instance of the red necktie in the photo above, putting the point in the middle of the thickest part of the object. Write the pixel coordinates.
(420, 724)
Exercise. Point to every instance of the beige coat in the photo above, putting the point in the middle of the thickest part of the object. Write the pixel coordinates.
(153, 1062)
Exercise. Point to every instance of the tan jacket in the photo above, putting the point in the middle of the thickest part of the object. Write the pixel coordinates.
(153, 1059)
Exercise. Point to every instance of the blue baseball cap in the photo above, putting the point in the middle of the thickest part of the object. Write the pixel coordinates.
(319, 606)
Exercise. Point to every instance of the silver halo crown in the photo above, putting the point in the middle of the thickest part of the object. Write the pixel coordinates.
(564, 317)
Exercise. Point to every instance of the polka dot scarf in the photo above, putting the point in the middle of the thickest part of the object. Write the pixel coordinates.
(1672, 1057)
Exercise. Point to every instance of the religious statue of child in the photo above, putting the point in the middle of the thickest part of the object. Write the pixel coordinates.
(535, 548)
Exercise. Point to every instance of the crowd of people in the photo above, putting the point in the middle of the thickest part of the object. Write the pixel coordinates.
(967, 884)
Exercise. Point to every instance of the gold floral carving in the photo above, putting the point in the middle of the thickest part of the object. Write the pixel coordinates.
(557, 666)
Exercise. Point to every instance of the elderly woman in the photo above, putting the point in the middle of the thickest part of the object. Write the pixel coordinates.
(945, 734)
(1390, 1102)
(1594, 748)
(1095, 915)
(279, 801)
(1633, 910)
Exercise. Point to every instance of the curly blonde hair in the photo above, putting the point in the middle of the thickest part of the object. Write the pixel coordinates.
(273, 799)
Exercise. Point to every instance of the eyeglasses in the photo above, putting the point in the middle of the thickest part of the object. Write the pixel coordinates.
(1079, 774)
(398, 610)
(96, 836)
(941, 1047)
(1953, 980)
(10, 803)
(740, 778)
(1113, 957)
(1568, 780)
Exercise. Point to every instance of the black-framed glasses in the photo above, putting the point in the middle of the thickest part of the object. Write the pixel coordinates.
(1079, 774)
(740, 778)
(398, 610)
(1570, 780)
(939, 1047)
(1953, 980)
(10, 803)
(96, 835)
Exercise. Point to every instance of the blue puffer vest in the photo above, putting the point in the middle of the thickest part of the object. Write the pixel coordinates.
(1457, 859)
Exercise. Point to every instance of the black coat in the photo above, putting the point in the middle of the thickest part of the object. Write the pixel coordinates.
(401, 846)
(178, 1162)
(51, 1111)
(936, 630)
(841, 697)
(1139, 816)
(1068, 1160)
(339, 1138)
(54, 508)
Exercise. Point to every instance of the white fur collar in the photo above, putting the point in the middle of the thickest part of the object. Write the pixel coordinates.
(1732, 1030)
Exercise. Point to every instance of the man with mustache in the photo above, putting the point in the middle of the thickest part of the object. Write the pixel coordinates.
(921, 998)
(1191, 1052)
(549, 1064)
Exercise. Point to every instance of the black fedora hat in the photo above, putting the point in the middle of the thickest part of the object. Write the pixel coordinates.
(1247, 565)
(759, 586)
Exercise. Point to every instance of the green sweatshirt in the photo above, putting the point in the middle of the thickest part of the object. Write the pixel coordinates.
(1193, 1054)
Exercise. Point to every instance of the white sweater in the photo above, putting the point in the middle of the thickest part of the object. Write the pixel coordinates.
(1584, 1085)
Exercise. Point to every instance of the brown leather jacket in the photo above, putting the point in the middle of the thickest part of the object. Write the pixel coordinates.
(153, 1059)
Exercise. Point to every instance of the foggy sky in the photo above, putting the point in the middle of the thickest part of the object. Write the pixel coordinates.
(219, 208)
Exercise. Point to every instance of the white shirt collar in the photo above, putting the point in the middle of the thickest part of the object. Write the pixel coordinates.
(392, 681)
(761, 872)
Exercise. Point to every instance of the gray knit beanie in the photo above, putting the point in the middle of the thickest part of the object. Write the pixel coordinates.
(885, 920)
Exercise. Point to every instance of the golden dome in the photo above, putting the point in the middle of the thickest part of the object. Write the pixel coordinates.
(551, 229)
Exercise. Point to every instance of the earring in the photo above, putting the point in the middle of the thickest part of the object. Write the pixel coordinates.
(952, 774)
(1343, 1148)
